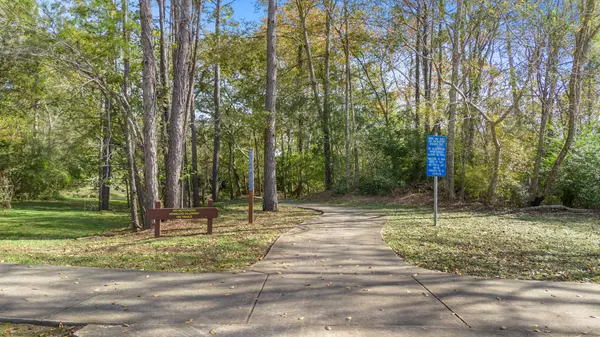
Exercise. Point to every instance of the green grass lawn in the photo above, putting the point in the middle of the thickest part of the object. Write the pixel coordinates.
(558, 246)
(72, 233)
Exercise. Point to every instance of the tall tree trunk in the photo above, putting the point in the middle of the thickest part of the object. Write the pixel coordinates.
(496, 167)
(426, 47)
(100, 166)
(313, 82)
(162, 93)
(453, 101)
(347, 134)
(178, 104)
(258, 181)
(217, 102)
(270, 202)
(584, 35)
(163, 61)
(194, 140)
(106, 168)
(230, 168)
(284, 168)
(149, 102)
(549, 91)
(140, 196)
(326, 97)
(130, 145)
(418, 69)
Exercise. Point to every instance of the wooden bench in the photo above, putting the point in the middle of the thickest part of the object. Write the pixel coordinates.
(157, 214)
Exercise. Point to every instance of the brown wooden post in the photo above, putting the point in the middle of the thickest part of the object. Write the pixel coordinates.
(157, 204)
(210, 220)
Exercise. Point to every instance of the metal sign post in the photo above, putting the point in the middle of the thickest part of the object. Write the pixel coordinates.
(436, 166)
(251, 187)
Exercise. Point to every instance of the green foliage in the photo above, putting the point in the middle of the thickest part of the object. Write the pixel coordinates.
(397, 158)
(376, 185)
(578, 183)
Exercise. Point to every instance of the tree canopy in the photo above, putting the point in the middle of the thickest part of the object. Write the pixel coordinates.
(163, 99)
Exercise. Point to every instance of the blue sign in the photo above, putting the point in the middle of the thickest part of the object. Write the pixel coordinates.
(251, 171)
(436, 156)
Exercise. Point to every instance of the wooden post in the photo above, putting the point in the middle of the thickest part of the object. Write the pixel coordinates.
(157, 204)
(210, 220)
(251, 187)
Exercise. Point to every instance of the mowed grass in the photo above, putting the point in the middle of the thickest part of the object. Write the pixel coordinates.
(72, 233)
(557, 246)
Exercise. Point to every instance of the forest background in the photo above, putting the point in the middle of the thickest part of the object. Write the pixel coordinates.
(164, 99)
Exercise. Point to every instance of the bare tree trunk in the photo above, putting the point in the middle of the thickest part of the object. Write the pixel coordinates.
(270, 201)
(217, 99)
(347, 95)
(164, 75)
(163, 104)
(354, 142)
(149, 99)
(230, 167)
(326, 97)
(418, 69)
(140, 196)
(257, 165)
(132, 195)
(106, 168)
(100, 168)
(453, 101)
(194, 140)
(178, 105)
(496, 167)
(549, 91)
(284, 168)
(426, 67)
(313, 80)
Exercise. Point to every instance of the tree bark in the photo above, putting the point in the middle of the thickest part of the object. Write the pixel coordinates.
(313, 80)
(194, 140)
(270, 202)
(164, 75)
(130, 146)
(453, 101)
(547, 101)
(418, 69)
(217, 102)
(258, 181)
(326, 98)
(230, 168)
(107, 154)
(347, 96)
(178, 103)
(162, 90)
(149, 102)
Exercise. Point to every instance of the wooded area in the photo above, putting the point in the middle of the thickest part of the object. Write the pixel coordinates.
(163, 99)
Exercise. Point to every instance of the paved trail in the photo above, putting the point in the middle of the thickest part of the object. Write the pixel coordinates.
(332, 276)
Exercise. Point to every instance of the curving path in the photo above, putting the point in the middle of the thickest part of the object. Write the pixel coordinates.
(331, 276)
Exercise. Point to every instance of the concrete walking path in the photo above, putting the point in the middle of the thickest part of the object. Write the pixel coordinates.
(331, 276)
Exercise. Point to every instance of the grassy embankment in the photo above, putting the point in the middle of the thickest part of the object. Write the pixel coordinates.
(71, 232)
(557, 246)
